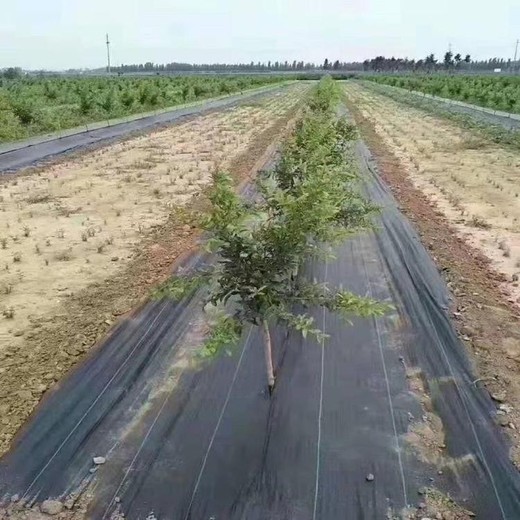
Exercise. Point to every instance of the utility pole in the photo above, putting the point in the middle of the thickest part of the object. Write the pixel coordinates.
(108, 55)
(515, 68)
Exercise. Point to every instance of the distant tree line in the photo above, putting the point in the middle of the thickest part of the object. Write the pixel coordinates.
(216, 67)
(451, 62)
(270, 66)
(11, 73)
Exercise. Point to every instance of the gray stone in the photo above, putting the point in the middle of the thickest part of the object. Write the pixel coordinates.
(503, 420)
(499, 397)
(51, 507)
(370, 477)
(506, 408)
(99, 460)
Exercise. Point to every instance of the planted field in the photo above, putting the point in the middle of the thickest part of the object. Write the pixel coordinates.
(70, 228)
(498, 93)
(462, 191)
(32, 106)
(379, 417)
(474, 181)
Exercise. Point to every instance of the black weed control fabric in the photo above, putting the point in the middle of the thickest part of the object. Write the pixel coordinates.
(208, 443)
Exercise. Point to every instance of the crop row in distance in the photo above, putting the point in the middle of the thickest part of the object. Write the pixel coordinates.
(497, 93)
(33, 105)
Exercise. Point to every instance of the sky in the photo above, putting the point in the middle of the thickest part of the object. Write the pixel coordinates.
(62, 34)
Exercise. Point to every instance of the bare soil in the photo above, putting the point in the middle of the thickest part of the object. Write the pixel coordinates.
(476, 183)
(483, 310)
(93, 234)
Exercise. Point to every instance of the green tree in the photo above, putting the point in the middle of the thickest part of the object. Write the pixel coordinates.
(326, 64)
(448, 60)
(108, 103)
(305, 204)
(86, 103)
(13, 73)
(430, 61)
(458, 59)
(24, 111)
(127, 99)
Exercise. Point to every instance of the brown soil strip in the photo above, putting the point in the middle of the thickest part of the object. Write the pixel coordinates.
(486, 321)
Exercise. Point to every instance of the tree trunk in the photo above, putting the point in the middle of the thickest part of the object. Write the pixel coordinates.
(268, 355)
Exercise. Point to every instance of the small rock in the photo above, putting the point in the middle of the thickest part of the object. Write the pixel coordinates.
(499, 397)
(117, 500)
(186, 227)
(503, 420)
(506, 408)
(99, 460)
(51, 507)
(114, 258)
(422, 491)
(370, 477)
(422, 505)
(18, 333)
(466, 330)
(15, 498)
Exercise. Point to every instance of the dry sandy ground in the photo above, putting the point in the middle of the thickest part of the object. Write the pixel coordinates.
(83, 240)
(474, 182)
(70, 225)
(417, 156)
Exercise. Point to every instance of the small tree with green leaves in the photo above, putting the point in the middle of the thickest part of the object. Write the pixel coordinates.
(307, 203)
(448, 60)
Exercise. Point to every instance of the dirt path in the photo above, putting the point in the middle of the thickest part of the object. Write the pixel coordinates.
(421, 157)
(102, 229)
